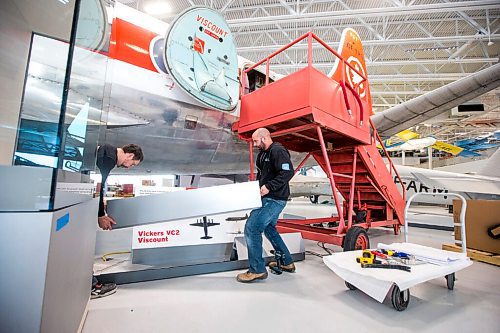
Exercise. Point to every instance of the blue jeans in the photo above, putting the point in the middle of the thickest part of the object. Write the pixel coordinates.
(263, 220)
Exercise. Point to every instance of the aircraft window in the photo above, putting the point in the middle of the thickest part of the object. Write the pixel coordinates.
(156, 54)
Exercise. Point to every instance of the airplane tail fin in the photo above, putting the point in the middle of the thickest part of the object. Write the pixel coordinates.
(351, 49)
(490, 169)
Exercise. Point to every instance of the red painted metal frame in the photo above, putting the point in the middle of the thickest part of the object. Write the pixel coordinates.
(391, 164)
(351, 192)
(329, 236)
(302, 163)
(332, 235)
(252, 171)
(332, 181)
(343, 84)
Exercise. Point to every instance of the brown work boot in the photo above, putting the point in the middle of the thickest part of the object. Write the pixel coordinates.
(287, 268)
(250, 277)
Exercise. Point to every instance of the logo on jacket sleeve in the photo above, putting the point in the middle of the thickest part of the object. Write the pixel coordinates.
(285, 166)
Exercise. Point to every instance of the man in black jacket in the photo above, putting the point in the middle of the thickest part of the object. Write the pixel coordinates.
(274, 172)
(109, 157)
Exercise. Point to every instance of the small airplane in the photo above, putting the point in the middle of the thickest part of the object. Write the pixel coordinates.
(411, 141)
(205, 223)
(179, 107)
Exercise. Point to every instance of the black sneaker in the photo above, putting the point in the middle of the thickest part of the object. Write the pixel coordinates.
(102, 290)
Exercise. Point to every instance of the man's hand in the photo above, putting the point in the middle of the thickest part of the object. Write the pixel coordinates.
(263, 190)
(106, 222)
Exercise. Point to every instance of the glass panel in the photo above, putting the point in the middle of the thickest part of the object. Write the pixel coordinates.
(84, 117)
(37, 143)
(62, 107)
(84, 105)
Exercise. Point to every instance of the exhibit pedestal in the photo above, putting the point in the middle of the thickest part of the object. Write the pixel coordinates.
(46, 260)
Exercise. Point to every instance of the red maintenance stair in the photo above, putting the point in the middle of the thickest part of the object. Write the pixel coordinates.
(328, 118)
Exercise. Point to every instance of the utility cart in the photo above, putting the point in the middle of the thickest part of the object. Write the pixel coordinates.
(380, 283)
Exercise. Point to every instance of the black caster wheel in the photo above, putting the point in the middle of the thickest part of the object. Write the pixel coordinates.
(450, 281)
(350, 286)
(400, 299)
(356, 239)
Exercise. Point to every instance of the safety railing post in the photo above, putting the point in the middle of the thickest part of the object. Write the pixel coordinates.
(309, 49)
(267, 72)
(332, 181)
(252, 172)
(351, 192)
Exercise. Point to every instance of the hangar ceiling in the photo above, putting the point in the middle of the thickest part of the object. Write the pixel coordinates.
(411, 46)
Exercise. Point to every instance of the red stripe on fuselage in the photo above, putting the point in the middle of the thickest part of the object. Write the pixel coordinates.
(130, 43)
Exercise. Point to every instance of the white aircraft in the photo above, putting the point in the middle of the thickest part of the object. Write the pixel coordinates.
(485, 184)
(183, 121)
(413, 144)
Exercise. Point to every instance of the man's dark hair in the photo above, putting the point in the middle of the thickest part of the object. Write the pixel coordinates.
(134, 149)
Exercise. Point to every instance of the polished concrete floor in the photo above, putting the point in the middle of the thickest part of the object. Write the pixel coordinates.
(313, 299)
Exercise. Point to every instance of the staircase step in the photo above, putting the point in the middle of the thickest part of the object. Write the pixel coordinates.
(361, 179)
(347, 169)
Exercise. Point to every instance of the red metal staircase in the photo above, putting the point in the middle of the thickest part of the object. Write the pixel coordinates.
(309, 112)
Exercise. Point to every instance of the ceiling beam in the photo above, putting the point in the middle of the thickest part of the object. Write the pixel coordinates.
(376, 42)
(368, 12)
(398, 62)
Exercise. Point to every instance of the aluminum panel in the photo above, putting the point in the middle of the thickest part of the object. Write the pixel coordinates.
(183, 255)
(70, 258)
(25, 188)
(47, 258)
(156, 273)
(185, 204)
(24, 247)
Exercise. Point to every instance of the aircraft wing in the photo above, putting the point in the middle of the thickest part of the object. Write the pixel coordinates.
(469, 184)
(433, 103)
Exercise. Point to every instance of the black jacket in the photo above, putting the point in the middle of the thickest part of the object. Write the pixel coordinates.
(275, 170)
(106, 161)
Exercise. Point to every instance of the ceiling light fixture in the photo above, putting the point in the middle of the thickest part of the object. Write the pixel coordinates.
(426, 49)
(157, 8)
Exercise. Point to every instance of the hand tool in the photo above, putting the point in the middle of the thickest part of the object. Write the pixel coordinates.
(387, 266)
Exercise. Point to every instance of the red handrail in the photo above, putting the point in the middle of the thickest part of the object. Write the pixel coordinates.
(391, 164)
(310, 36)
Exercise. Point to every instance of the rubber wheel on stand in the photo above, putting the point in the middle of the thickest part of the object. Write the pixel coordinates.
(400, 299)
(450, 281)
(356, 238)
(350, 286)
